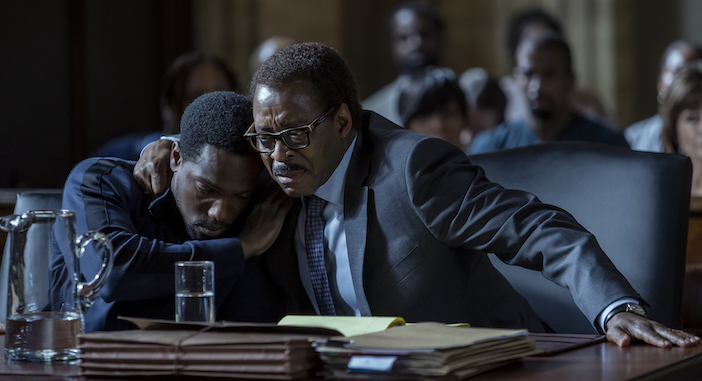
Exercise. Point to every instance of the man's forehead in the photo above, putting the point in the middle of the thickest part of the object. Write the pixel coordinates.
(290, 91)
(541, 57)
(293, 98)
(224, 170)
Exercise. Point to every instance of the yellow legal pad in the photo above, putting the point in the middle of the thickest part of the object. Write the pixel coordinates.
(346, 325)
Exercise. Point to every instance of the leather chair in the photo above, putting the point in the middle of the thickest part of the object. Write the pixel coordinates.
(40, 199)
(635, 203)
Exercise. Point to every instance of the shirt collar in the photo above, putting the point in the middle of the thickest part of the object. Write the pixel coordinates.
(333, 190)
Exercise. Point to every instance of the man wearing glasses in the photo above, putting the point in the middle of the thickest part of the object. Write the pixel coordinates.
(396, 223)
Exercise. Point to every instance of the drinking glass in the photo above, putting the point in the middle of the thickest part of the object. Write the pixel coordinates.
(195, 295)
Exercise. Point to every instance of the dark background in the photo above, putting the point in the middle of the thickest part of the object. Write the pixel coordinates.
(75, 73)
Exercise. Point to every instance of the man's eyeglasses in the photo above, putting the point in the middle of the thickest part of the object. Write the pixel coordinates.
(293, 138)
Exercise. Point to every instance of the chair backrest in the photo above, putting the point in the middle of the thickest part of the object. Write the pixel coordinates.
(635, 203)
(41, 199)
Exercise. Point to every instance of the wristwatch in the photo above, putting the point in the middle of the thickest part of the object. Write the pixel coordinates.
(626, 307)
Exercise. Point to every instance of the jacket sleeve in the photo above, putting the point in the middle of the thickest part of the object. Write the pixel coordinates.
(474, 213)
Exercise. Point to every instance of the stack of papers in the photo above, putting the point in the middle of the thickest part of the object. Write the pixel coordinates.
(424, 351)
(197, 354)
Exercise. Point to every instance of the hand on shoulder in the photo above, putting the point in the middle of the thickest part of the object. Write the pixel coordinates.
(153, 170)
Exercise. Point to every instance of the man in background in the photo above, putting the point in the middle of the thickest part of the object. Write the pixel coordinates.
(416, 32)
(545, 74)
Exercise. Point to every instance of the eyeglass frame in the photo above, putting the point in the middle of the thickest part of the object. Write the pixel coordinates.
(308, 128)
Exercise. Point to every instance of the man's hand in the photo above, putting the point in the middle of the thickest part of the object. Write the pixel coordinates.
(265, 221)
(153, 170)
(624, 327)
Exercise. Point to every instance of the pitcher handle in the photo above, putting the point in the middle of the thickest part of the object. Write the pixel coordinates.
(87, 291)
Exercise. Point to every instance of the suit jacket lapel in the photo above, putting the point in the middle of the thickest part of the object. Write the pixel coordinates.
(356, 195)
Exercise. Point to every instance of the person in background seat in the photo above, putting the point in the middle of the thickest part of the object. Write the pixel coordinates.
(189, 76)
(431, 102)
(647, 134)
(545, 73)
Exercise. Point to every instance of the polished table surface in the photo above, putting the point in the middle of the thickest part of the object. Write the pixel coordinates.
(602, 361)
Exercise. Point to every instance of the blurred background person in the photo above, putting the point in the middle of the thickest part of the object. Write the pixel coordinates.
(266, 49)
(528, 24)
(189, 76)
(486, 102)
(545, 74)
(416, 32)
(431, 102)
(681, 112)
(645, 135)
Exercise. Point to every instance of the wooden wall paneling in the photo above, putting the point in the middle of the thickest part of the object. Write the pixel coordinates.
(470, 36)
(77, 71)
(366, 47)
(228, 29)
(35, 101)
(174, 30)
(123, 69)
(625, 61)
(604, 64)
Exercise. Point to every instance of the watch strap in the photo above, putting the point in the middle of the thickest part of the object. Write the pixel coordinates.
(625, 307)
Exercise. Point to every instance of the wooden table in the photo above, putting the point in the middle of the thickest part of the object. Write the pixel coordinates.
(607, 362)
(602, 361)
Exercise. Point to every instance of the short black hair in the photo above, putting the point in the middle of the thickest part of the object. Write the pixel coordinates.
(523, 18)
(552, 42)
(220, 119)
(491, 97)
(430, 12)
(318, 65)
(427, 90)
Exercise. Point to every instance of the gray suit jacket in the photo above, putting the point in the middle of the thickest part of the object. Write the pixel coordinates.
(419, 219)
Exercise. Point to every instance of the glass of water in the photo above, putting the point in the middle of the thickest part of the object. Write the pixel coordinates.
(194, 288)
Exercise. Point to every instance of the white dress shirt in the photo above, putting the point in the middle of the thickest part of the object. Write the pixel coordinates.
(336, 255)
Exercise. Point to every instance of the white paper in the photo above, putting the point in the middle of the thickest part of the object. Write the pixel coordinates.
(371, 363)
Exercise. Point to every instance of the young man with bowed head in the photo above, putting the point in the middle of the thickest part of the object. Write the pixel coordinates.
(404, 220)
(212, 211)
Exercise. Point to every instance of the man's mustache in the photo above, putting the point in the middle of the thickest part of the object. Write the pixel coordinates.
(283, 168)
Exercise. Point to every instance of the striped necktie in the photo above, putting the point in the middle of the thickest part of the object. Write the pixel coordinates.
(314, 244)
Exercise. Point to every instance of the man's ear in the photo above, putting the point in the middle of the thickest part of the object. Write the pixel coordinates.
(343, 120)
(176, 158)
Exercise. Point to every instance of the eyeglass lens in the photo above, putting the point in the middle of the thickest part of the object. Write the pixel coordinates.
(294, 139)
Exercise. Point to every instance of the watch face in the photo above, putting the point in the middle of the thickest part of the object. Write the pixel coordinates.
(636, 308)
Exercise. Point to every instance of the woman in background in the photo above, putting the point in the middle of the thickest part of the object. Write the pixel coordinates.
(682, 119)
